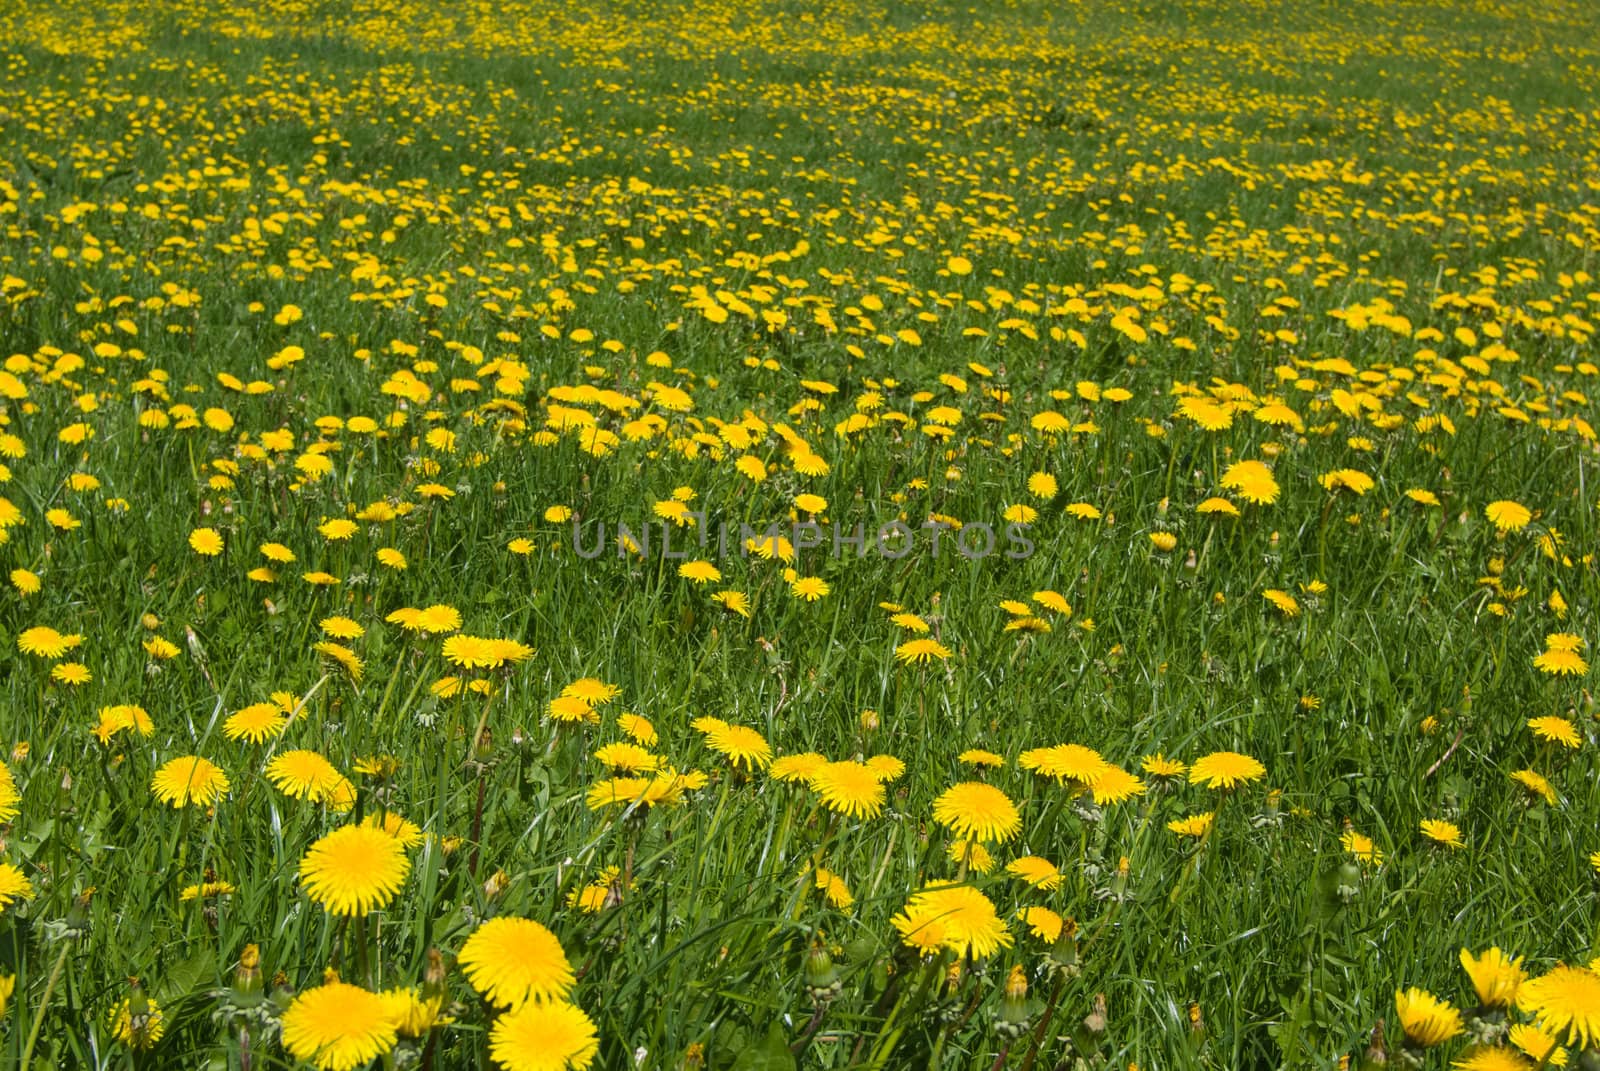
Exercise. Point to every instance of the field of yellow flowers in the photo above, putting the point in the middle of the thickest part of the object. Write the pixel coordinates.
(751, 536)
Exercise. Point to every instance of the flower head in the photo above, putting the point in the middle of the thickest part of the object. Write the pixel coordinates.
(1495, 976)
(921, 651)
(956, 917)
(978, 811)
(189, 779)
(353, 870)
(1225, 769)
(339, 1027)
(512, 961)
(1425, 1019)
(1566, 1003)
(849, 788)
(552, 1036)
(743, 746)
(14, 885)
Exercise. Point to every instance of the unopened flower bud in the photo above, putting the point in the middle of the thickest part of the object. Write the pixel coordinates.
(247, 977)
(822, 979)
(1012, 1018)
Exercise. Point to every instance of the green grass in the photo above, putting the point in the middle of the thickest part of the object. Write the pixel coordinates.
(566, 181)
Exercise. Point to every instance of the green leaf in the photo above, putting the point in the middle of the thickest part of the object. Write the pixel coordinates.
(771, 1053)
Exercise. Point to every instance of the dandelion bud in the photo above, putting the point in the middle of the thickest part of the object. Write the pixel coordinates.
(1119, 880)
(247, 977)
(1093, 1027)
(1011, 1020)
(823, 983)
(496, 885)
(1347, 881)
(1064, 953)
(1377, 1053)
(150, 621)
(869, 721)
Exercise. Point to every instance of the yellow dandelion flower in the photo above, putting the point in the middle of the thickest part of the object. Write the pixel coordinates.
(354, 870)
(189, 779)
(977, 811)
(511, 961)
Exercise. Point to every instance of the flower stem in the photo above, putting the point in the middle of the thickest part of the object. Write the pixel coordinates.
(44, 1005)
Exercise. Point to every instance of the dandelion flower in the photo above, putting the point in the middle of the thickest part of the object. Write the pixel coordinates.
(886, 768)
(1195, 825)
(735, 602)
(1537, 1044)
(341, 628)
(1496, 977)
(1493, 1058)
(743, 746)
(1252, 481)
(70, 673)
(637, 727)
(809, 588)
(971, 854)
(353, 870)
(921, 651)
(139, 1030)
(554, 1036)
(189, 779)
(1508, 516)
(627, 758)
(834, 888)
(1283, 601)
(339, 1027)
(14, 885)
(511, 961)
(9, 796)
(1161, 767)
(1536, 784)
(962, 918)
(1566, 1003)
(1065, 762)
(1042, 923)
(1352, 480)
(304, 775)
(802, 767)
(1445, 834)
(1560, 657)
(1115, 785)
(1039, 872)
(700, 572)
(46, 642)
(849, 788)
(1361, 846)
(1225, 769)
(977, 811)
(592, 690)
(206, 542)
(1425, 1019)
(256, 723)
(1558, 730)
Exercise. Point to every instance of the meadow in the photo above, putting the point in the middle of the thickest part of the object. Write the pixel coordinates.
(886, 534)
